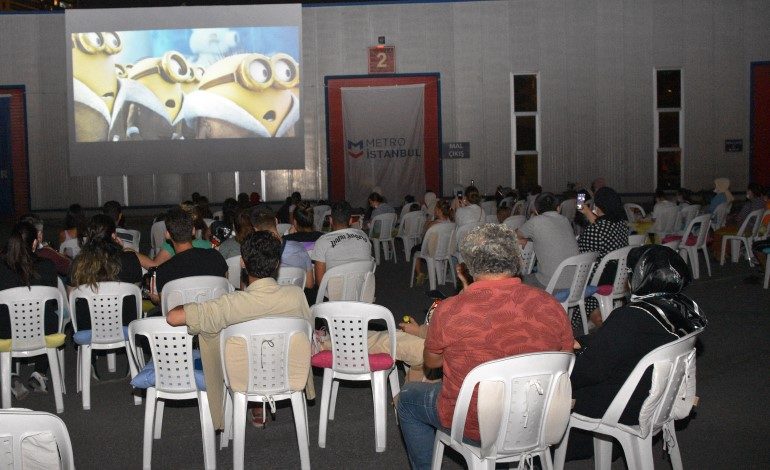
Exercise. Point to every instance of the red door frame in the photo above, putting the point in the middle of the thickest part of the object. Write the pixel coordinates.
(335, 145)
(759, 154)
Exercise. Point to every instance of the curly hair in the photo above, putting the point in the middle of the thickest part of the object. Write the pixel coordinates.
(491, 249)
(261, 253)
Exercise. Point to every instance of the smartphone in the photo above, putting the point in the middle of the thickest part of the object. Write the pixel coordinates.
(581, 199)
(459, 194)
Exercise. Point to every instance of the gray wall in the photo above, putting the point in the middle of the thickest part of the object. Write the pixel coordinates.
(595, 59)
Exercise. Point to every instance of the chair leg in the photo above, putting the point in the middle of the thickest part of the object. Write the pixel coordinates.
(395, 388)
(707, 258)
(207, 432)
(415, 260)
(78, 379)
(326, 393)
(227, 432)
(583, 318)
(159, 407)
(149, 420)
(722, 255)
(132, 367)
(60, 354)
(333, 402)
(300, 422)
(111, 362)
(560, 452)
(85, 375)
(239, 429)
(673, 450)
(693, 255)
(438, 453)
(767, 275)
(602, 452)
(630, 450)
(53, 366)
(431, 268)
(379, 394)
(735, 249)
(5, 378)
(545, 459)
(376, 245)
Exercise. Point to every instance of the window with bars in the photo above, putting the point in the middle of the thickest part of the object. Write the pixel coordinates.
(669, 129)
(525, 129)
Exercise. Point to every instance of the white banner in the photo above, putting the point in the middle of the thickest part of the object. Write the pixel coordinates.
(383, 135)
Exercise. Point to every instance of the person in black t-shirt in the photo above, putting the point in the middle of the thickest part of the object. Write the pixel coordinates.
(20, 267)
(102, 259)
(302, 225)
(187, 261)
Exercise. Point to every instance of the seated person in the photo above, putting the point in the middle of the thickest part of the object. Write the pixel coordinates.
(166, 250)
(260, 252)
(61, 262)
(441, 215)
(465, 332)
(342, 245)
(658, 314)
(188, 260)
(379, 207)
(302, 226)
(231, 246)
(293, 253)
(467, 209)
(74, 223)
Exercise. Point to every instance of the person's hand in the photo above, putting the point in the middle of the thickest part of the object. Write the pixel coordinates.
(460, 271)
(576, 345)
(588, 213)
(411, 326)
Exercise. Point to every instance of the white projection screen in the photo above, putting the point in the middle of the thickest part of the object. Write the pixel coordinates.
(184, 89)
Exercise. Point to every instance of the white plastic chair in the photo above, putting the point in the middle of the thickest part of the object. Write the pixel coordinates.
(218, 215)
(70, 248)
(130, 238)
(719, 217)
(671, 363)
(175, 378)
(619, 284)
(267, 342)
(746, 234)
(637, 240)
(157, 236)
(490, 208)
(686, 214)
(319, 214)
(349, 359)
(632, 210)
(383, 225)
(192, 289)
(66, 319)
(405, 209)
(526, 410)
(568, 208)
(528, 258)
(690, 252)
(666, 221)
(26, 309)
(437, 247)
(18, 424)
(283, 229)
(350, 281)
(767, 275)
(410, 232)
(288, 275)
(234, 271)
(105, 307)
(514, 222)
(582, 265)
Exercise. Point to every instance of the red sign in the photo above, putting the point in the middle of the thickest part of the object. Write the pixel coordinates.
(382, 59)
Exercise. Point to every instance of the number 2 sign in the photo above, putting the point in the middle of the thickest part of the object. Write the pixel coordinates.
(382, 59)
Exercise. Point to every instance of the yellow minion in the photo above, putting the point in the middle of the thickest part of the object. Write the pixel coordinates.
(246, 95)
(164, 76)
(95, 83)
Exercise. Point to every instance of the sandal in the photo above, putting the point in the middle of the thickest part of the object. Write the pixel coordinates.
(258, 417)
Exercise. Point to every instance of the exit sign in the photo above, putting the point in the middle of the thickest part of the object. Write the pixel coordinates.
(382, 59)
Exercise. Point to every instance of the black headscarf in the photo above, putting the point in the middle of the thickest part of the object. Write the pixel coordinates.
(610, 203)
(657, 279)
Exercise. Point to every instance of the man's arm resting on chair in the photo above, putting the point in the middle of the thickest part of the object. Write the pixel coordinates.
(177, 317)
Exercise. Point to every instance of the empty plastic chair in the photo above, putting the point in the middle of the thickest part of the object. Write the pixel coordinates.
(349, 281)
(746, 234)
(234, 271)
(634, 212)
(277, 351)
(670, 366)
(666, 222)
(527, 402)
(349, 359)
(528, 258)
(581, 265)
(689, 248)
(609, 295)
(170, 375)
(192, 289)
(410, 232)
(46, 430)
(381, 232)
(291, 275)
(437, 247)
(26, 311)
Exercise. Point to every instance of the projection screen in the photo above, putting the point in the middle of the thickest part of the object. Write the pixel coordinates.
(184, 89)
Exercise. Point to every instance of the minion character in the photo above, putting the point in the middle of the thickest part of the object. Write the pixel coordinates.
(193, 80)
(246, 95)
(154, 99)
(96, 86)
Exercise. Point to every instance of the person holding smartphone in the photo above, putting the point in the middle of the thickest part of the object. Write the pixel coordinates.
(468, 209)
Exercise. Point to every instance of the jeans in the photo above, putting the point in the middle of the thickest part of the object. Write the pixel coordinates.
(418, 416)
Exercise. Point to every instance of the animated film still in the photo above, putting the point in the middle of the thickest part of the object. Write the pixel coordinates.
(211, 83)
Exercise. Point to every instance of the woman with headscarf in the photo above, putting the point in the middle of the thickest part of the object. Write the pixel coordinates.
(607, 231)
(658, 314)
(429, 203)
(722, 194)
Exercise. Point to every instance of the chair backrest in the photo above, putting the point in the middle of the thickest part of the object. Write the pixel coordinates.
(234, 271)
(283, 229)
(636, 240)
(439, 241)
(157, 235)
(20, 424)
(632, 210)
(267, 343)
(461, 232)
(349, 281)
(406, 208)
(105, 306)
(519, 208)
(411, 225)
(620, 255)
(70, 248)
(319, 214)
(218, 215)
(172, 353)
(26, 308)
(515, 221)
(347, 325)
(130, 237)
(582, 263)
(666, 220)
(524, 403)
(703, 222)
(751, 224)
(382, 225)
(670, 363)
(686, 214)
(64, 307)
(288, 275)
(720, 215)
(489, 207)
(568, 208)
(528, 257)
(193, 289)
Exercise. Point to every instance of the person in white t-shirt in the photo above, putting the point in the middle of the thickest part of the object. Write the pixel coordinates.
(342, 245)
(467, 210)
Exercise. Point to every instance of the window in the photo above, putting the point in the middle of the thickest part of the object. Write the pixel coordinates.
(525, 130)
(669, 129)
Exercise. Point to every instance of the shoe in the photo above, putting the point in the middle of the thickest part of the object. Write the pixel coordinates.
(37, 382)
(18, 389)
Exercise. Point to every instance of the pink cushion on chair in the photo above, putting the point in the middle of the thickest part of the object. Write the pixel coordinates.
(379, 361)
(605, 289)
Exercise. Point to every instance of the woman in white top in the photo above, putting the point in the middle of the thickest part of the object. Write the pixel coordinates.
(468, 210)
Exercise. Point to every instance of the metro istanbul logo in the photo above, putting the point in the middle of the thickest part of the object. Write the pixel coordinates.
(355, 145)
